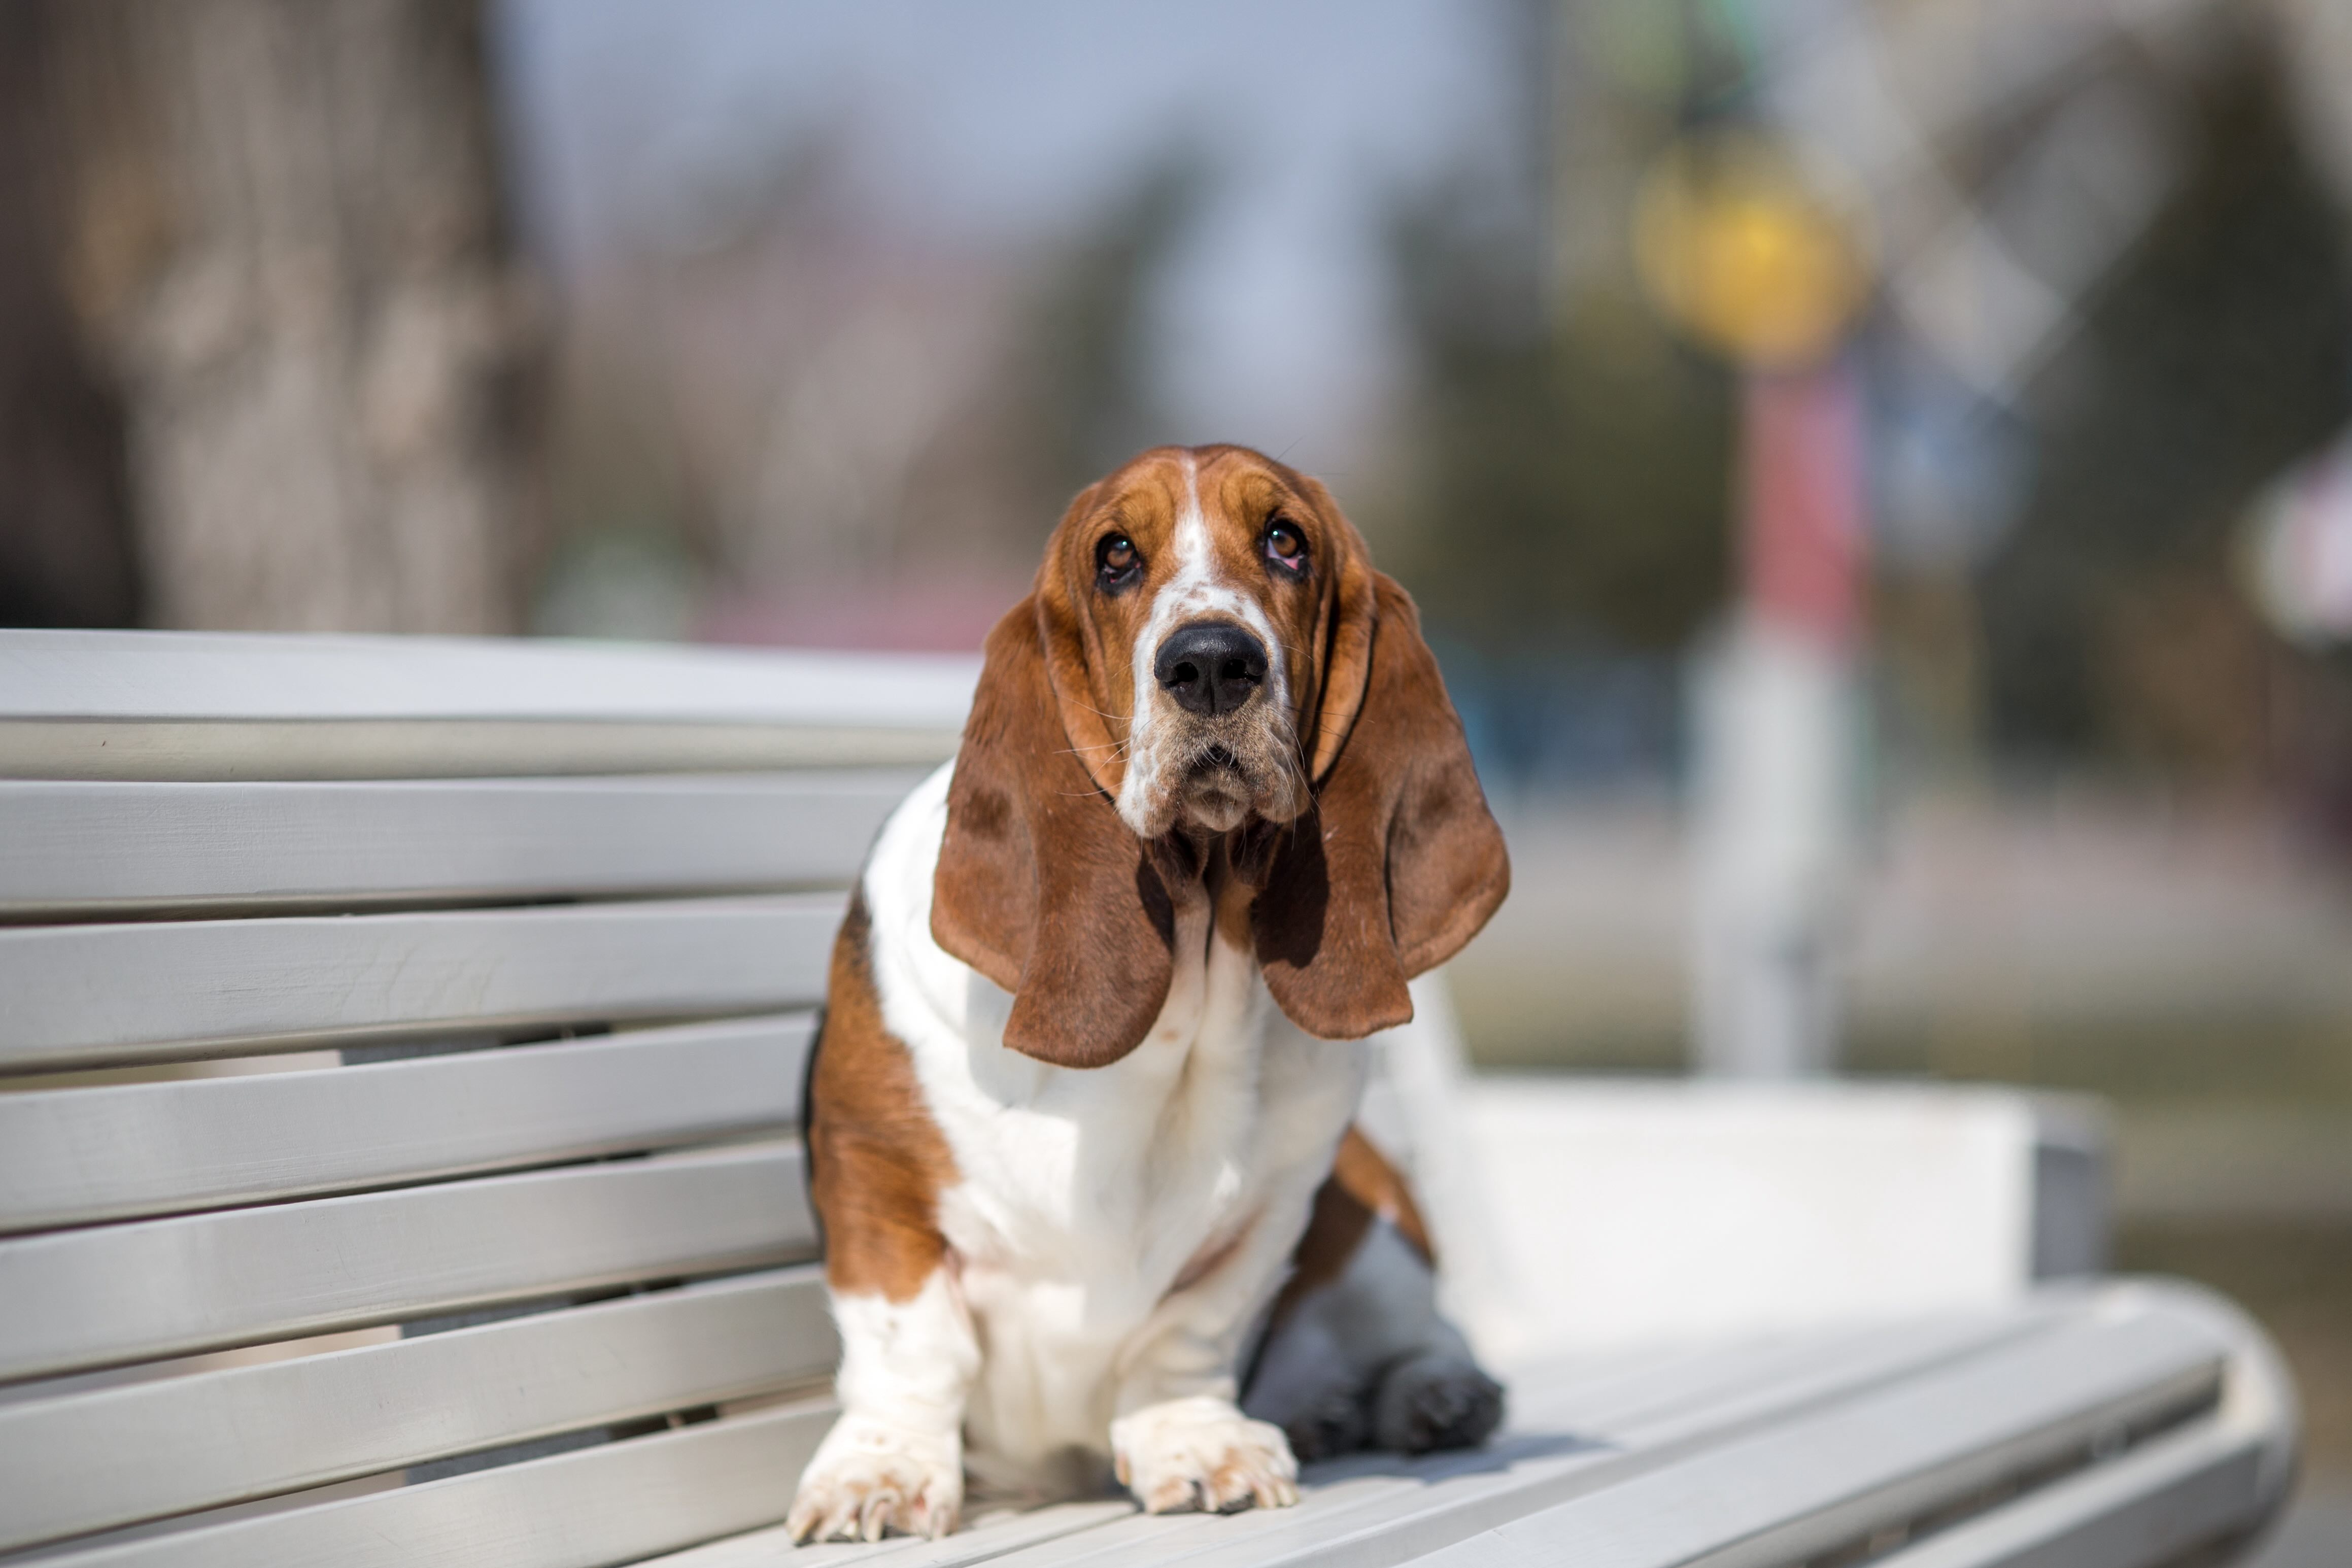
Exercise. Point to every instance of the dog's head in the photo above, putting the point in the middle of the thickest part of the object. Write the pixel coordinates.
(1208, 673)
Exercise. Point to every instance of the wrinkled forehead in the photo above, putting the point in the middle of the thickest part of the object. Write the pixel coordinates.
(1229, 490)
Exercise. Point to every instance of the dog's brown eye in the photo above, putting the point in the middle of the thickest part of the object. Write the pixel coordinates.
(1286, 547)
(1116, 560)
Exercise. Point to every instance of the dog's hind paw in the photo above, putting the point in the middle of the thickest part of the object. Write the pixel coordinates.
(868, 1480)
(1202, 1453)
(1435, 1401)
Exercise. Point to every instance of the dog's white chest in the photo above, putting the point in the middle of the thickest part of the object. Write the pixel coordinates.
(1086, 1196)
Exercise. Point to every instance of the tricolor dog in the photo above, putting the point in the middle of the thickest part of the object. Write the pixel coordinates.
(1080, 1112)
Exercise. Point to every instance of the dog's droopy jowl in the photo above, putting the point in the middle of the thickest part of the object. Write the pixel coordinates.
(1079, 1118)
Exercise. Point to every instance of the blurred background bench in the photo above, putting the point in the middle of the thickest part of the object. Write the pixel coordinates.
(401, 1058)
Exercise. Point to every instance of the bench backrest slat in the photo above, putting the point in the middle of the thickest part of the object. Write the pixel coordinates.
(155, 1449)
(90, 996)
(96, 705)
(401, 1053)
(72, 1156)
(169, 1287)
(82, 849)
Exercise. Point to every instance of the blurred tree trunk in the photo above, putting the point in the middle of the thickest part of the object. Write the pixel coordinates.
(284, 229)
(65, 511)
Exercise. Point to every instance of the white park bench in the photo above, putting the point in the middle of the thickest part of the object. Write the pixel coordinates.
(400, 1049)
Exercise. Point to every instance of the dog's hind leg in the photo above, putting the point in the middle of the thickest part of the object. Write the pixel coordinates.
(1355, 1353)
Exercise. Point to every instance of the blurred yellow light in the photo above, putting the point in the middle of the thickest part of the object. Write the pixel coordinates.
(1740, 251)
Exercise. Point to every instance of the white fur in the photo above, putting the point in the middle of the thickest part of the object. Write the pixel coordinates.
(896, 1457)
(1195, 589)
(1084, 1195)
(1201, 1451)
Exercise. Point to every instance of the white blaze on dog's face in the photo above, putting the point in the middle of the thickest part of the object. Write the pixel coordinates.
(1198, 583)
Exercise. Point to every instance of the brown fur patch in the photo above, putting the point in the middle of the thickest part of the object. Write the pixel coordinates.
(1398, 864)
(1040, 886)
(1362, 1188)
(1392, 865)
(877, 1160)
(1364, 1173)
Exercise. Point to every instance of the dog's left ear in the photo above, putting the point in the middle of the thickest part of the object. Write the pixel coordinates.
(1040, 886)
(1398, 862)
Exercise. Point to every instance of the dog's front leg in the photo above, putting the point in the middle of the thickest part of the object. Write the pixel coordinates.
(877, 1163)
(1180, 1440)
(895, 1458)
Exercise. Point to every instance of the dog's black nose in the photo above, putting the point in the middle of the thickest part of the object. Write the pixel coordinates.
(1212, 668)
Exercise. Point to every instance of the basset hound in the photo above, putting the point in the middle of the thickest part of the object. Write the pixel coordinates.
(1079, 1115)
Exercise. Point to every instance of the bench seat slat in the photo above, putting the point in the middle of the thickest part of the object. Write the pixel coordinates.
(613, 1503)
(1832, 1478)
(157, 1288)
(2204, 1483)
(79, 1465)
(80, 848)
(1624, 1429)
(72, 1156)
(96, 994)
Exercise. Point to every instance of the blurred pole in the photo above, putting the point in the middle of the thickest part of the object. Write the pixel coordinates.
(1775, 743)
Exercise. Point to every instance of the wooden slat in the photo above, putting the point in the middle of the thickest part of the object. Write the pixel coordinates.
(2187, 1488)
(132, 705)
(158, 1288)
(89, 995)
(530, 1516)
(85, 847)
(71, 1156)
(614, 1503)
(1567, 1437)
(77, 1464)
(452, 748)
(1570, 1440)
(991, 1535)
(1630, 1411)
(1834, 1477)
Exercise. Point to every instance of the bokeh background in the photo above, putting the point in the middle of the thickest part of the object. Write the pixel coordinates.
(1994, 356)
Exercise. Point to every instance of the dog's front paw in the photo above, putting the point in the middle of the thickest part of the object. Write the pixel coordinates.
(1202, 1453)
(870, 1479)
(1435, 1401)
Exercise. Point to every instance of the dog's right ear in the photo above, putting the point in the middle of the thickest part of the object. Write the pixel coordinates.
(1040, 886)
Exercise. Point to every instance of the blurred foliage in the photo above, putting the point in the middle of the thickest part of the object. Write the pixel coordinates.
(1571, 469)
(2221, 351)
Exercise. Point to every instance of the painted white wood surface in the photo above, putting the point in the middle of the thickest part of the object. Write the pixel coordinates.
(72, 1156)
(1712, 1390)
(150, 1449)
(2204, 1484)
(1659, 1426)
(149, 705)
(83, 995)
(1830, 1478)
(215, 677)
(1697, 1209)
(614, 1503)
(1667, 1458)
(156, 1288)
(85, 847)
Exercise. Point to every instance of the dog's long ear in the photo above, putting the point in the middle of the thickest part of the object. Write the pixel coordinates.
(1040, 886)
(1398, 863)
